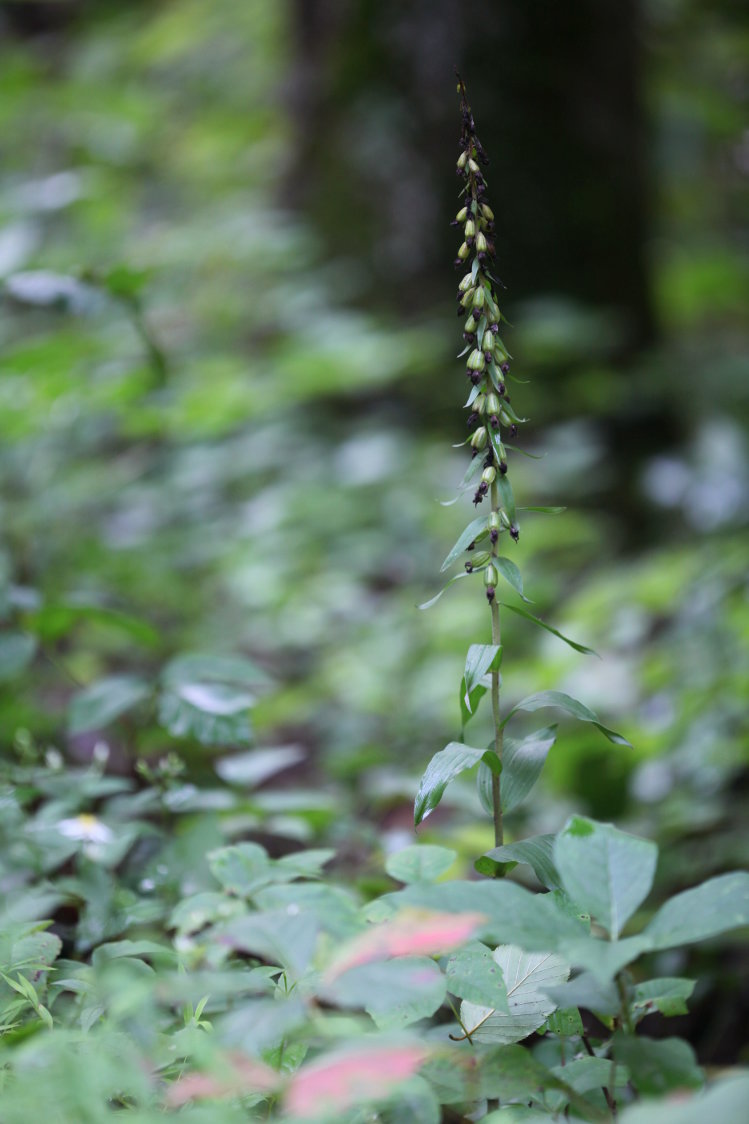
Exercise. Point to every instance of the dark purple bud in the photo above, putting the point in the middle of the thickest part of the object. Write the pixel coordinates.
(488, 460)
(490, 593)
(494, 421)
(503, 467)
(494, 328)
(475, 377)
(494, 535)
(501, 388)
(505, 368)
(514, 532)
(477, 498)
(461, 310)
(469, 337)
(472, 417)
(513, 430)
(483, 487)
(471, 546)
(469, 567)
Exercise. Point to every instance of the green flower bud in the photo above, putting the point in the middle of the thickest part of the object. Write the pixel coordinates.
(479, 404)
(471, 324)
(500, 354)
(479, 438)
(476, 360)
(504, 417)
(481, 243)
(489, 475)
(491, 577)
(466, 283)
(504, 517)
(463, 252)
(479, 297)
(462, 215)
(467, 299)
(462, 160)
(487, 212)
(473, 166)
(479, 560)
(494, 521)
(470, 229)
(492, 404)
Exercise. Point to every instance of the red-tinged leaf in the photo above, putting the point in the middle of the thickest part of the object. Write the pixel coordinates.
(338, 1081)
(238, 1076)
(413, 932)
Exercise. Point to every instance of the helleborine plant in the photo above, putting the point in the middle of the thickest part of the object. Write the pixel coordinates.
(508, 767)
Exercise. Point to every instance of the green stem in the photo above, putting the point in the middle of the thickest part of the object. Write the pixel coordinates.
(496, 713)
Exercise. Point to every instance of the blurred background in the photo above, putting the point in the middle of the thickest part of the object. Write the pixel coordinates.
(229, 395)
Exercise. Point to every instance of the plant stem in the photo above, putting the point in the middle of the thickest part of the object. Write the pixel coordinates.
(496, 713)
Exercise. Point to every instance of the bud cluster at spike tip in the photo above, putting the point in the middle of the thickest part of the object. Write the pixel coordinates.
(488, 362)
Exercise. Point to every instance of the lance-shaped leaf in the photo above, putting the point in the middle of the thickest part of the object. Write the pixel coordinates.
(454, 759)
(548, 628)
(715, 907)
(506, 496)
(543, 510)
(669, 996)
(481, 659)
(433, 600)
(570, 706)
(522, 762)
(100, 704)
(658, 1066)
(512, 576)
(526, 975)
(466, 537)
(606, 871)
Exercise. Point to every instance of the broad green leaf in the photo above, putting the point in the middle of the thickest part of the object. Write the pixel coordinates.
(335, 910)
(604, 959)
(669, 996)
(433, 600)
(473, 974)
(196, 911)
(241, 869)
(466, 537)
(511, 574)
(212, 713)
(586, 1074)
(100, 704)
(715, 907)
(554, 631)
(16, 653)
(454, 759)
(570, 706)
(535, 922)
(421, 862)
(525, 975)
(522, 762)
(394, 992)
(606, 871)
(481, 659)
(658, 1065)
(252, 768)
(588, 992)
(55, 620)
(200, 667)
(565, 1023)
(277, 936)
(536, 852)
(724, 1103)
(35, 951)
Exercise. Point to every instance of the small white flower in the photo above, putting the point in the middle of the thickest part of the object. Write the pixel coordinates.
(86, 829)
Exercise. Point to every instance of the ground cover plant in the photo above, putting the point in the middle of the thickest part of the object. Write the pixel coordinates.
(193, 926)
